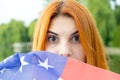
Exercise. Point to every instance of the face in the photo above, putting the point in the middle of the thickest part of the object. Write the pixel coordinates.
(63, 39)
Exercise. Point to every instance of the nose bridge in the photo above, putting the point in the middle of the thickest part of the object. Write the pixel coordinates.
(64, 48)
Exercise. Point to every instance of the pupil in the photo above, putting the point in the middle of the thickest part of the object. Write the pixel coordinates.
(76, 38)
(53, 38)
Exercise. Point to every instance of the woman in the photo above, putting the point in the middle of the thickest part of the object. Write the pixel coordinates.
(67, 28)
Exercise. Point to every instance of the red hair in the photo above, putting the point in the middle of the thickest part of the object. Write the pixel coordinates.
(89, 36)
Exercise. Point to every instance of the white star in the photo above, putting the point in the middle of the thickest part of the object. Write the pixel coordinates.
(60, 79)
(34, 79)
(45, 64)
(22, 63)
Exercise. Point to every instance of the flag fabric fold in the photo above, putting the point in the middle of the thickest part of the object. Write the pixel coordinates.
(43, 65)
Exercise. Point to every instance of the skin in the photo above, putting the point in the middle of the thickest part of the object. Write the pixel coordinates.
(63, 39)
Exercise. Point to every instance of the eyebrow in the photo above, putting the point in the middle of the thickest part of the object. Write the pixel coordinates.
(53, 33)
(74, 33)
(57, 34)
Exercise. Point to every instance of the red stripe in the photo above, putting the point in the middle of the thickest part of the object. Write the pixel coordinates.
(76, 70)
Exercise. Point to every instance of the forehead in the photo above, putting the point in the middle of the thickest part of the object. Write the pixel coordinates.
(62, 24)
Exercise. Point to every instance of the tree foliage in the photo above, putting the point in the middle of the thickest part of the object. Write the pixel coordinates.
(117, 14)
(31, 28)
(115, 37)
(115, 42)
(14, 31)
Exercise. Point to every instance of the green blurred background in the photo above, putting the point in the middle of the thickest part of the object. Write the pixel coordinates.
(15, 36)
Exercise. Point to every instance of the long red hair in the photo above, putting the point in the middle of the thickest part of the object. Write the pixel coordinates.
(89, 35)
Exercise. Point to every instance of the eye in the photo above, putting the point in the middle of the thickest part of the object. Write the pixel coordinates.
(76, 39)
(52, 39)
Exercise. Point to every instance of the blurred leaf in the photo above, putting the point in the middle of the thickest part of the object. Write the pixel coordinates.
(31, 28)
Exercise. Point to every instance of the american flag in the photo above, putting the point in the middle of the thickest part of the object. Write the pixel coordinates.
(45, 65)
